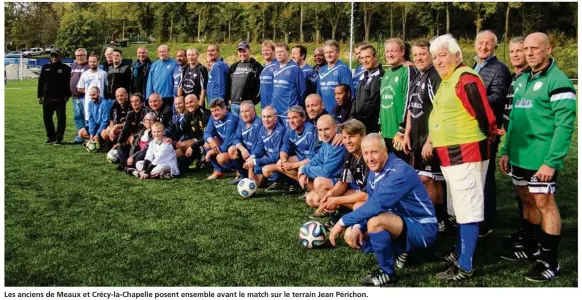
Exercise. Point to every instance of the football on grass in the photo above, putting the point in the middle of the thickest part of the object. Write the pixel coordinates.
(312, 234)
(92, 146)
(247, 187)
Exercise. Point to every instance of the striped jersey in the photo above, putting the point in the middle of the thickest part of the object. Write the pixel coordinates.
(288, 87)
(266, 85)
(302, 145)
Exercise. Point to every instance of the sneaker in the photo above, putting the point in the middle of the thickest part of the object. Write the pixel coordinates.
(442, 226)
(454, 273)
(274, 186)
(541, 271)
(517, 251)
(195, 163)
(378, 278)
(166, 175)
(401, 260)
(484, 231)
(292, 188)
(49, 142)
(302, 197)
(329, 225)
(510, 239)
(453, 221)
(120, 167)
(235, 181)
(451, 257)
(58, 143)
(215, 175)
(319, 214)
(78, 141)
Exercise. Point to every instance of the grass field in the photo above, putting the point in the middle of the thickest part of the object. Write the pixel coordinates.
(72, 220)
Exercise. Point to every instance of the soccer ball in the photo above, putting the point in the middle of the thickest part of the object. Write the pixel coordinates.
(312, 234)
(92, 146)
(247, 187)
(112, 156)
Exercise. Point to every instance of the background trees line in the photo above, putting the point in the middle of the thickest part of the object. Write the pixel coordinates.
(93, 24)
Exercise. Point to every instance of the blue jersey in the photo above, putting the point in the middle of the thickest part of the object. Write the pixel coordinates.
(217, 77)
(396, 189)
(98, 116)
(266, 79)
(307, 71)
(225, 129)
(269, 145)
(356, 79)
(312, 80)
(301, 145)
(161, 78)
(329, 79)
(328, 162)
(247, 136)
(288, 87)
(177, 78)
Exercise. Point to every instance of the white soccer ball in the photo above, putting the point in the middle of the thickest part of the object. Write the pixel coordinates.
(247, 187)
(112, 156)
(312, 234)
(92, 146)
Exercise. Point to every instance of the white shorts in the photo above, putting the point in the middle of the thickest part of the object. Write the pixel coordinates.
(465, 185)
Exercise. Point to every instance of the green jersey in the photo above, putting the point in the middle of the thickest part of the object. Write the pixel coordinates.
(542, 119)
(393, 95)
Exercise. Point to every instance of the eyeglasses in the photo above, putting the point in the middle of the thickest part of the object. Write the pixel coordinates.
(81, 55)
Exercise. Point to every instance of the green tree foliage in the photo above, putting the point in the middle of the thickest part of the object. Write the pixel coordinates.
(79, 28)
(480, 10)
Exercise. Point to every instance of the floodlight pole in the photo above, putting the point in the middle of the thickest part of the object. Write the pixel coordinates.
(351, 31)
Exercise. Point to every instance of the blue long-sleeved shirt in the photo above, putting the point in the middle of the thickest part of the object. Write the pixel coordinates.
(288, 87)
(307, 71)
(217, 79)
(161, 78)
(329, 79)
(177, 76)
(225, 129)
(301, 145)
(269, 145)
(98, 116)
(328, 162)
(247, 136)
(266, 86)
(396, 189)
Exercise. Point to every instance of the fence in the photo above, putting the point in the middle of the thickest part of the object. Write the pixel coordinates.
(19, 68)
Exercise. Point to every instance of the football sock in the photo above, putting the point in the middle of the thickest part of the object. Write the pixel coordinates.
(216, 165)
(366, 246)
(519, 206)
(440, 212)
(382, 245)
(459, 245)
(468, 237)
(530, 234)
(239, 167)
(549, 252)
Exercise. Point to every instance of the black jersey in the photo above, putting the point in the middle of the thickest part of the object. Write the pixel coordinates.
(355, 170)
(509, 97)
(194, 80)
(420, 97)
(118, 112)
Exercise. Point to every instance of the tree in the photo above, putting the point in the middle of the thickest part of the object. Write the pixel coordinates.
(315, 12)
(369, 9)
(334, 12)
(32, 23)
(230, 13)
(482, 11)
(78, 28)
(510, 5)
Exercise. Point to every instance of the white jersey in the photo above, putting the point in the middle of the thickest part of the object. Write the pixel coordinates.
(160, 153)
(88, 80)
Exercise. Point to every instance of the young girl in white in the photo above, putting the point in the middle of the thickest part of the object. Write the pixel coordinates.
(160, 160)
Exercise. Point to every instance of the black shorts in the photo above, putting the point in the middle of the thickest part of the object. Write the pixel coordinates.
(525, 177)
(430, 168)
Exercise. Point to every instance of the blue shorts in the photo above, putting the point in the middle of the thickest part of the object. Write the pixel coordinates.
(258, 170)
(417, 236)
(351, 186)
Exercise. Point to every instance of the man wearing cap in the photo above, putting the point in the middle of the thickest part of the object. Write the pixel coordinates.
(53, 92)
(244, 79)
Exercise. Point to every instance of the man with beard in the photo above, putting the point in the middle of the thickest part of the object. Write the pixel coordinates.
(181, 63)
(90, 78)
(98, 117)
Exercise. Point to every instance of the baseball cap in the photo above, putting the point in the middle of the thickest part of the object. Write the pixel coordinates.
(56, 52)
(243, 45)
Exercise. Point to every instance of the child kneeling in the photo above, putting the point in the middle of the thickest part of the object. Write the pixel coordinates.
(160, 160)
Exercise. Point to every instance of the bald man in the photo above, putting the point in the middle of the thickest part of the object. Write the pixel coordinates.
(397, 216)
(117, 115)
(496, 77)
(161, 76)
(540, 132)
(321, 173)
(314, 108)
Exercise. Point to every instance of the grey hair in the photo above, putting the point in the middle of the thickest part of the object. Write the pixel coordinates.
(162, 46)
(488, 31)
(447, 41)
(193, 50)
(375, 137)
(269, 107)
(517, 39)
(82, 50)
(109, 50)
(247, 102)
(150, 116)
(297, 109)
(144, 48)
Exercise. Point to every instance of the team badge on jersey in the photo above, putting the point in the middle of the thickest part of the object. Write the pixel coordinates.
(168, 67)
(396, 79)
(60, 71)
(537, 86)
(335, 73)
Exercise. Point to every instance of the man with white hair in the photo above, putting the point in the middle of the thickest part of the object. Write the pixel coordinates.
(496, 77)
(78, 67)
(194, 78)
(540, 131)
(161, 76)
(461, 126)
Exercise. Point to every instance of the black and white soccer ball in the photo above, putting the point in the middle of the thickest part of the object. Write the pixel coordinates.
(112, 156)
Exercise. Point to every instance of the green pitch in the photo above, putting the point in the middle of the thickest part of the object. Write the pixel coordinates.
(72, 220)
